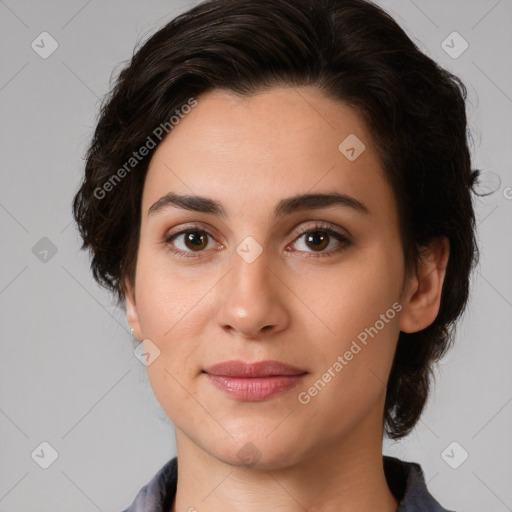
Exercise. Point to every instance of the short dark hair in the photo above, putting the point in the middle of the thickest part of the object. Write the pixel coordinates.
(353, 51)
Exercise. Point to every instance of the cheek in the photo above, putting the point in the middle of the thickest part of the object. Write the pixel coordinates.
(361, 289)
(354, 364)
(167, 299)
(174, 306)
(170, 313)
(360, 304)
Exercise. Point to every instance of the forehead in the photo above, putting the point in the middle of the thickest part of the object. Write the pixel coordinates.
(257, 149)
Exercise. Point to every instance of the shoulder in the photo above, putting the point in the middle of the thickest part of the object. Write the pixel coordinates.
(407, 482)
(158, 494)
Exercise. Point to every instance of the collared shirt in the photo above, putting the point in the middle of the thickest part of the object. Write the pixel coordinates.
(405, 479)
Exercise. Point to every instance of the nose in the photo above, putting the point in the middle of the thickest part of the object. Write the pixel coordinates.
(252, 299)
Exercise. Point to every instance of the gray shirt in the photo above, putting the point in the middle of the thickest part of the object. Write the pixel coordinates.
(405, 479)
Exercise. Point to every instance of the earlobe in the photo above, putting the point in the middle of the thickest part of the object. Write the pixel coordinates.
(423, 297)
(132, 314)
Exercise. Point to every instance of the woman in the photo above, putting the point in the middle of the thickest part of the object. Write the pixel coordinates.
(280, 193)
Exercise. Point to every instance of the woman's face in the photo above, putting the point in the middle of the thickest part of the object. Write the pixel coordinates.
(315, 284)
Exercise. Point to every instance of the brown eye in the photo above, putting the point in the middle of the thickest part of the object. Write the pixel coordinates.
(320, 241)
(317, 240)
(189, 241)
(196, 240)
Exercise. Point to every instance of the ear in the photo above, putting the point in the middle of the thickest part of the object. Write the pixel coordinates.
(132, 314)
(423, 291)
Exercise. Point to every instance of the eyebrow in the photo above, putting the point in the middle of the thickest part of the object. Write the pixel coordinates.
(285, 207)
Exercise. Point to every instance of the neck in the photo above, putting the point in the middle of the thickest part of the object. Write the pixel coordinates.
(348, 476)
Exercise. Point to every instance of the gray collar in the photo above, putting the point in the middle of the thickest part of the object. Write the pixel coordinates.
(405, 479)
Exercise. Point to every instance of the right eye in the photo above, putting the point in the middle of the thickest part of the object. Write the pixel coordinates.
(188, 241)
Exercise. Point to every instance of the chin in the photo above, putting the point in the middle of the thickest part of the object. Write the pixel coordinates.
(260, 453)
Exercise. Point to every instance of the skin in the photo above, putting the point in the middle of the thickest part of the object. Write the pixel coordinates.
(292, 303)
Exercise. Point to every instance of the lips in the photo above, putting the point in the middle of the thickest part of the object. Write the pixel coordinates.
(253, 381)
(257, 369)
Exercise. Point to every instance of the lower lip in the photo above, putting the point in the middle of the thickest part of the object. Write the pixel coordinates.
(254, 388)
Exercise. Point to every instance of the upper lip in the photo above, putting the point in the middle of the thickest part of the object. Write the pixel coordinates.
(242, 369)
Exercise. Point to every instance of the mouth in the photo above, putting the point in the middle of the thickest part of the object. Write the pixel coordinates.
(253, 381)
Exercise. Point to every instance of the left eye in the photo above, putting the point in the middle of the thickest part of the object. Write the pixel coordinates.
(320, 239)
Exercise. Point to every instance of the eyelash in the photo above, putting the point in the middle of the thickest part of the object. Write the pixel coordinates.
(319, 226)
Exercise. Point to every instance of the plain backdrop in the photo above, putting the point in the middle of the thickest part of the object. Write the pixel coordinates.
(68, 375)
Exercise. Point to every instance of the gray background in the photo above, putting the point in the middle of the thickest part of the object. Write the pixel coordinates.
(68, 373)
